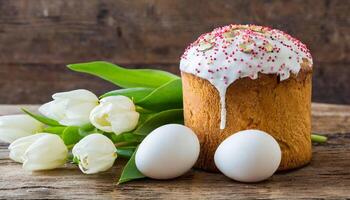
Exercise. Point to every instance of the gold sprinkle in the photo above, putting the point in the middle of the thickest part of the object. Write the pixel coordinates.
(268, 47)
(228, 35)
(204, 46)
(246, 47)
(257, 29)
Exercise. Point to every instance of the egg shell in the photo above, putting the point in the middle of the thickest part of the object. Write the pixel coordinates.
(248, 156)
(167, 152)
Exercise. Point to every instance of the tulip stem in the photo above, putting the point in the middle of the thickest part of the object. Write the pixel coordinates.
(69, 147)
(318, 138)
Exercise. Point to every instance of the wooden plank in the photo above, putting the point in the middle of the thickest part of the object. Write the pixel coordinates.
(39, 37)
(326, 177)
(60, 31)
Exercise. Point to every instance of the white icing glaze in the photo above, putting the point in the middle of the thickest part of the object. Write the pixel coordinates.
(237, 51)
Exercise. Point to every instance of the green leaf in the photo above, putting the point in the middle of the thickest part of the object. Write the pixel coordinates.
(144, 117)
(71, 135)
(129, 137)
(87, 129)
(111, 136)
(136, 94)
(130, 171)
(58, 130)
(42, 119)
(318, 138)
(126, 152)
(141, 110)
(159, 119)
(125, 78)
(167, 96)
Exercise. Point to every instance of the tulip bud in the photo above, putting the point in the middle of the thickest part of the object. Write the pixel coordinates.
(70, 108)
(13, 127)
(47, 152)
(39, 151)
(19, 146)
(95, 153)
(115, 114)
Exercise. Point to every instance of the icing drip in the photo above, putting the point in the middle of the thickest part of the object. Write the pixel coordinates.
(237, 51)
(222, 93)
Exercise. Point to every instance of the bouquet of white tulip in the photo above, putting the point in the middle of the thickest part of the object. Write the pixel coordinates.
(81, 128)
(96, 130)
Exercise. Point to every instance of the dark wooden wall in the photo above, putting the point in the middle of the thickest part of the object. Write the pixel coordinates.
(39, 37)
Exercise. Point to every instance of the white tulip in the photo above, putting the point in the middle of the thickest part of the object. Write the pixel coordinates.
(19, 146)
(41, 151)
(13, 127)
(95, 153)
(70, 108)
(115, 114)
(47, 152)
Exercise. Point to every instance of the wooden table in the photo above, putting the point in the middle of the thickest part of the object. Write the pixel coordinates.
(327, 176)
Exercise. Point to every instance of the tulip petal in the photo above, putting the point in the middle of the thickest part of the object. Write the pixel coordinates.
(70, 108)
(19, 146)
(78, 114)
(48, 152)
(119, 102)
(54, 109)
(123, 122)
(9, 135)
(99, 117)
(93, 164)
(79, 95)
(13, 127)
(96, 153)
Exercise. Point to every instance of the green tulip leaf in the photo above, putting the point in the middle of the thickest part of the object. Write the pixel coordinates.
(167, 96)
(122, 77)
(58, 130)
(159, 119)
(71, 135)
(141, 110)
(130, 171)
(126, 152)
(129, 137)
(136, 94)
(87, 129)
(42, 119)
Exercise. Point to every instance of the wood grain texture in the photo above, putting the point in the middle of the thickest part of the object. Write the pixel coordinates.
(39, 37)
(326, 177)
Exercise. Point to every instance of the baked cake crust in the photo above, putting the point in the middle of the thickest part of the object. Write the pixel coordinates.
(280, 108)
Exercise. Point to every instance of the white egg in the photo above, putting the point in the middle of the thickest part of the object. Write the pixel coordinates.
(167, 152)
(248, 156)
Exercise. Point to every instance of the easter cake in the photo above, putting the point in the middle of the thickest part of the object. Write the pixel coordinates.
(242, 77)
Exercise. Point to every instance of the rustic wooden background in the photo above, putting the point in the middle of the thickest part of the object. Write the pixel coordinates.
(39, 37)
